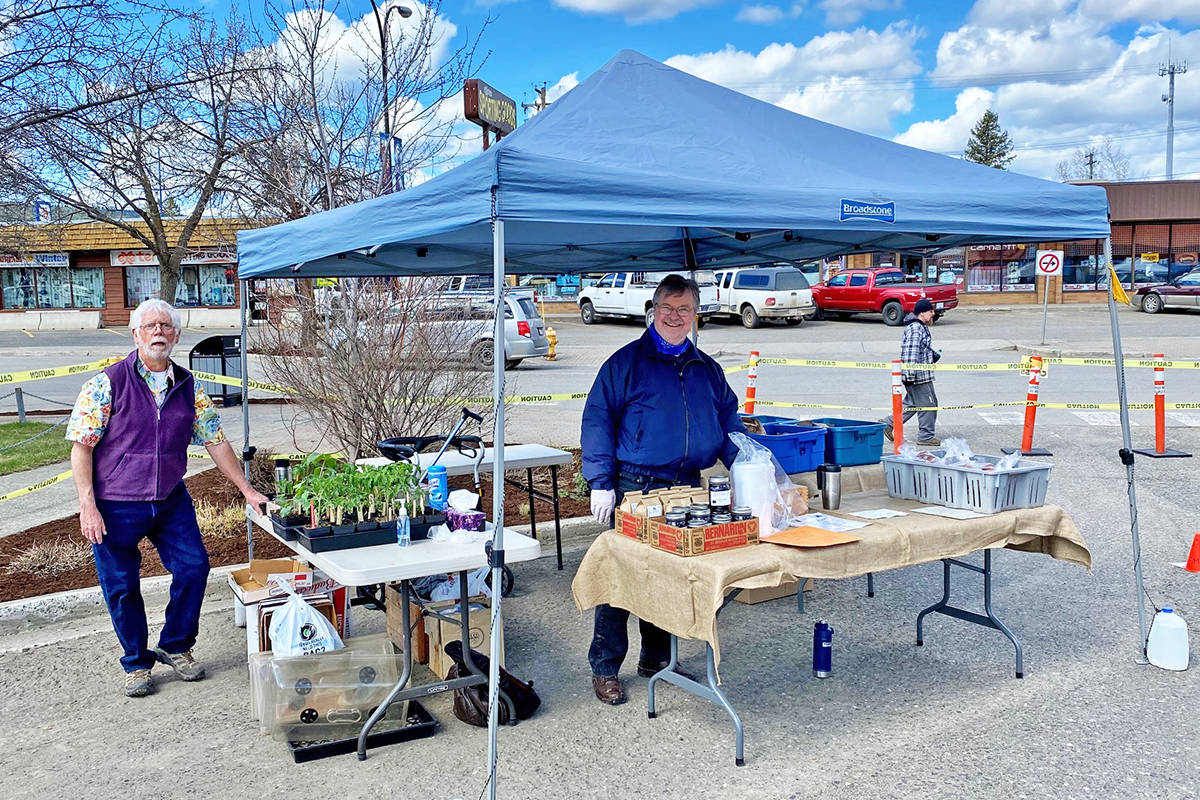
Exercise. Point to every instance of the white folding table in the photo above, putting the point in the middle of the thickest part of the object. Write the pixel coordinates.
(389, 563)
(516, 456)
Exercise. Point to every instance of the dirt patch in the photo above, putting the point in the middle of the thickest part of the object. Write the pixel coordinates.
(229, 546)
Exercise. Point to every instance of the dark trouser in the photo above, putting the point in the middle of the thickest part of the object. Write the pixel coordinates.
(918, 395)
(610, 639)
(170, 525)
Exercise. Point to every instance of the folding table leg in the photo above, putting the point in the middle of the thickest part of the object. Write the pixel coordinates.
(557, 517)
(405, 674)
(986, 620)
(532, 508)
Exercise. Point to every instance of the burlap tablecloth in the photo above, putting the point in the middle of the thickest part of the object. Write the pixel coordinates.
(683, 595)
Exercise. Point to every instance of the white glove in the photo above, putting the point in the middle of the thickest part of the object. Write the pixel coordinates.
(603, 503)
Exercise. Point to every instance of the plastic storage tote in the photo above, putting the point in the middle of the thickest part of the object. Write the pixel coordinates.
(797, 449)
(1024, 486)
(850, 441)
(767, 419)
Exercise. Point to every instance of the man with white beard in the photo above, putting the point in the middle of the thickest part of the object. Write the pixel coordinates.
(131, 427)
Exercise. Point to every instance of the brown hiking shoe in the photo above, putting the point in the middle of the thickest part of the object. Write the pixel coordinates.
(889, 433)
(608, 689)
(138, 683)
(186, 667)
(929, 442)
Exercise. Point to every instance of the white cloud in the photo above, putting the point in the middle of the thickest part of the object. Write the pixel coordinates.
(760, 15)
(950, 135)
(1024, 13)
(768, 14)
(847, 12)
(565, 84)
(1064, 46)
(860, 79)
(635, 10)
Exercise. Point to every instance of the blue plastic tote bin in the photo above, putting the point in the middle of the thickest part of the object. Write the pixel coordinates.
(850, 441)
(767, 419)
(797, 449)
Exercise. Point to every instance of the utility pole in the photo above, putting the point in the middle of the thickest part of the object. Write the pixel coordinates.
(1091, 165)
(539, 104)
(1171, 69)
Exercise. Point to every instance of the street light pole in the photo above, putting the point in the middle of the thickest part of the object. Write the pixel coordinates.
(382, 23)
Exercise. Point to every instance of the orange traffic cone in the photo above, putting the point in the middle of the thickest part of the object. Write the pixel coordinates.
(1193, 562)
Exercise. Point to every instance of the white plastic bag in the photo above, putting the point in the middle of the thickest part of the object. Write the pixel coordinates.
(759, 482)
(958, 453)
(298, 629)
(450, 589)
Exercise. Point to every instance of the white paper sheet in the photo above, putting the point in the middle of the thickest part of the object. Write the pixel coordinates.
(879, 513)
(951, 513)
(828, 523)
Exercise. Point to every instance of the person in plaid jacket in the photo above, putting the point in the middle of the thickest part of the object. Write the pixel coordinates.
(917, 348)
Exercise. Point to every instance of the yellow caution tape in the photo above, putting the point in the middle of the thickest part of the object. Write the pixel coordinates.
(228, 381)
(54, 372)
(59, 478)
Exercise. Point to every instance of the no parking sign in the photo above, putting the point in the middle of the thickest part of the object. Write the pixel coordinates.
(1049, 262)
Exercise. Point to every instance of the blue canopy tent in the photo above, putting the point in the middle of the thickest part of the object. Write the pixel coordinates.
(643, 167)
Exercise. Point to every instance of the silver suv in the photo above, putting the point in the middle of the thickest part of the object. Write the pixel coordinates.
(524, 331)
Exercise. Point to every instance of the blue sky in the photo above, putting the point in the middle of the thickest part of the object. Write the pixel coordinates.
(1060, 73)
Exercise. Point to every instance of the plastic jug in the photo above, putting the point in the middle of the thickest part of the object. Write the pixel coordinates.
(1167, 645)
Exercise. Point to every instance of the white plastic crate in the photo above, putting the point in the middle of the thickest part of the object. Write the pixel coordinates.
(1024, 486)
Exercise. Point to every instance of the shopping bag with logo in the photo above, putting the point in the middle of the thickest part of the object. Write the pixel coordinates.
(298, 629)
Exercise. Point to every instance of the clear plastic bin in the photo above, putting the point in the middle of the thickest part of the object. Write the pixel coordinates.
(1024, 486)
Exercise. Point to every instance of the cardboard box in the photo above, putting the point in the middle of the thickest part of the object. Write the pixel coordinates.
(254, 583)
(637, 509)
(395, 625)
(698, 541)
(267, 609)
(340, 595)
(752, 596)
(479, 622)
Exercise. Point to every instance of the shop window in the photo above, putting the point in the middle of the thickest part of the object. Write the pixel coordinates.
(87, 287)
(216, 285)
(16, 284)
(946, 267)
(1081, 265)
(997, 268)
(1151, 253)
(1185, 248)
(199, 285)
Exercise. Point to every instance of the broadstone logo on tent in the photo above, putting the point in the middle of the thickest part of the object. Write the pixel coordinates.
(862, 209)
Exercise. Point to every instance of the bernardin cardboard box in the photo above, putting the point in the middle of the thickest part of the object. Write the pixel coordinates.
(639, 508)
(255, 582)
(479, 630)
(699, 541)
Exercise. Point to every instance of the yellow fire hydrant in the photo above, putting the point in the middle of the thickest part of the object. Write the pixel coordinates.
(552, 338)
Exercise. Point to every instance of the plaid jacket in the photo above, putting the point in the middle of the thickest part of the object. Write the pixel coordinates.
(917, 348)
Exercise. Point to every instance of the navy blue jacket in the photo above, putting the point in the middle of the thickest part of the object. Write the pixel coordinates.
(652, 414)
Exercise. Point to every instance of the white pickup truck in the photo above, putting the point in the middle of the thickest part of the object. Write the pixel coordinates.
(631, 294)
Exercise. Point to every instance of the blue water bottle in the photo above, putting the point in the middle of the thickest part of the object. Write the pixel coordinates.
(438, 487)
(822, 649)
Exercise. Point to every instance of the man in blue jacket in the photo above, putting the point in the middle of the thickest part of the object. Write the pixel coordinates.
(659, 412)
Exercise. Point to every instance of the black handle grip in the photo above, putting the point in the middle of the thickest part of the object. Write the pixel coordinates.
(469, 413)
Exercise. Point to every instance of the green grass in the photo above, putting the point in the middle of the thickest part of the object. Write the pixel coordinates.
(49, 449)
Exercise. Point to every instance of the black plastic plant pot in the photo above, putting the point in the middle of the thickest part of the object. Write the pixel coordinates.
(421, 525)
(285, 527)
(342, 530)
(313, 533)
(369, 525)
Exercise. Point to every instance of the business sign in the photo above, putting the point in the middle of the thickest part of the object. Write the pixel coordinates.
(1049, 262)
(197, 255)
(35, 260)
(489, 108)
(865, 209)
(1149, 258)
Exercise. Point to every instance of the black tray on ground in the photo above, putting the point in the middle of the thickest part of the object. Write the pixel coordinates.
(420, 725)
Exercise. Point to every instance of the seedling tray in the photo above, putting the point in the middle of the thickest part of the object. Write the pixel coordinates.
(419, 724)
(343, 537)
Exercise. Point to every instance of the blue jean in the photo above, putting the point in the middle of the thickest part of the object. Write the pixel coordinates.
(610, 637)
(171, 527)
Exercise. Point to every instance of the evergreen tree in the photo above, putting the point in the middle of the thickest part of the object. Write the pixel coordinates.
(989, 144)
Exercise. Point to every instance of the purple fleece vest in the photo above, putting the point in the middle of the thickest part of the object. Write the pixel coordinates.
(143, 453)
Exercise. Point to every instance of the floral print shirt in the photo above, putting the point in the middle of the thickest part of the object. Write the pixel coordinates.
(89, 418)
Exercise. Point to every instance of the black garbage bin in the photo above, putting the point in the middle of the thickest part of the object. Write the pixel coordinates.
(219, 355)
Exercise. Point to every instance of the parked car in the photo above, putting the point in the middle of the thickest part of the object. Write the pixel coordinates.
(631, 294)
(467, 319)
(879, 291)
(1183, 292)
(759, 293)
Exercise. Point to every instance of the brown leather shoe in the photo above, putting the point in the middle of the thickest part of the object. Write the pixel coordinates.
(648, 670)
(608, 689)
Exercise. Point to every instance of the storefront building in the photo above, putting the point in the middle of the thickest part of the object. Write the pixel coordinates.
(1155, 237)
(88, 275)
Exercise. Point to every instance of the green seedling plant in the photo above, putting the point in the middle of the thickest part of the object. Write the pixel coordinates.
(328, 490)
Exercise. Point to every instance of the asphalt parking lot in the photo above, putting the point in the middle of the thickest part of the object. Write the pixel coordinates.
(947, 720)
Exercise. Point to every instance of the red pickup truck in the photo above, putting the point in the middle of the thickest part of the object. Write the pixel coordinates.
(879, 291)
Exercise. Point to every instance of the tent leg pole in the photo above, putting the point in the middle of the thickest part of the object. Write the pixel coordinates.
(244, 306)
(1126, 453)
(496, 551)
